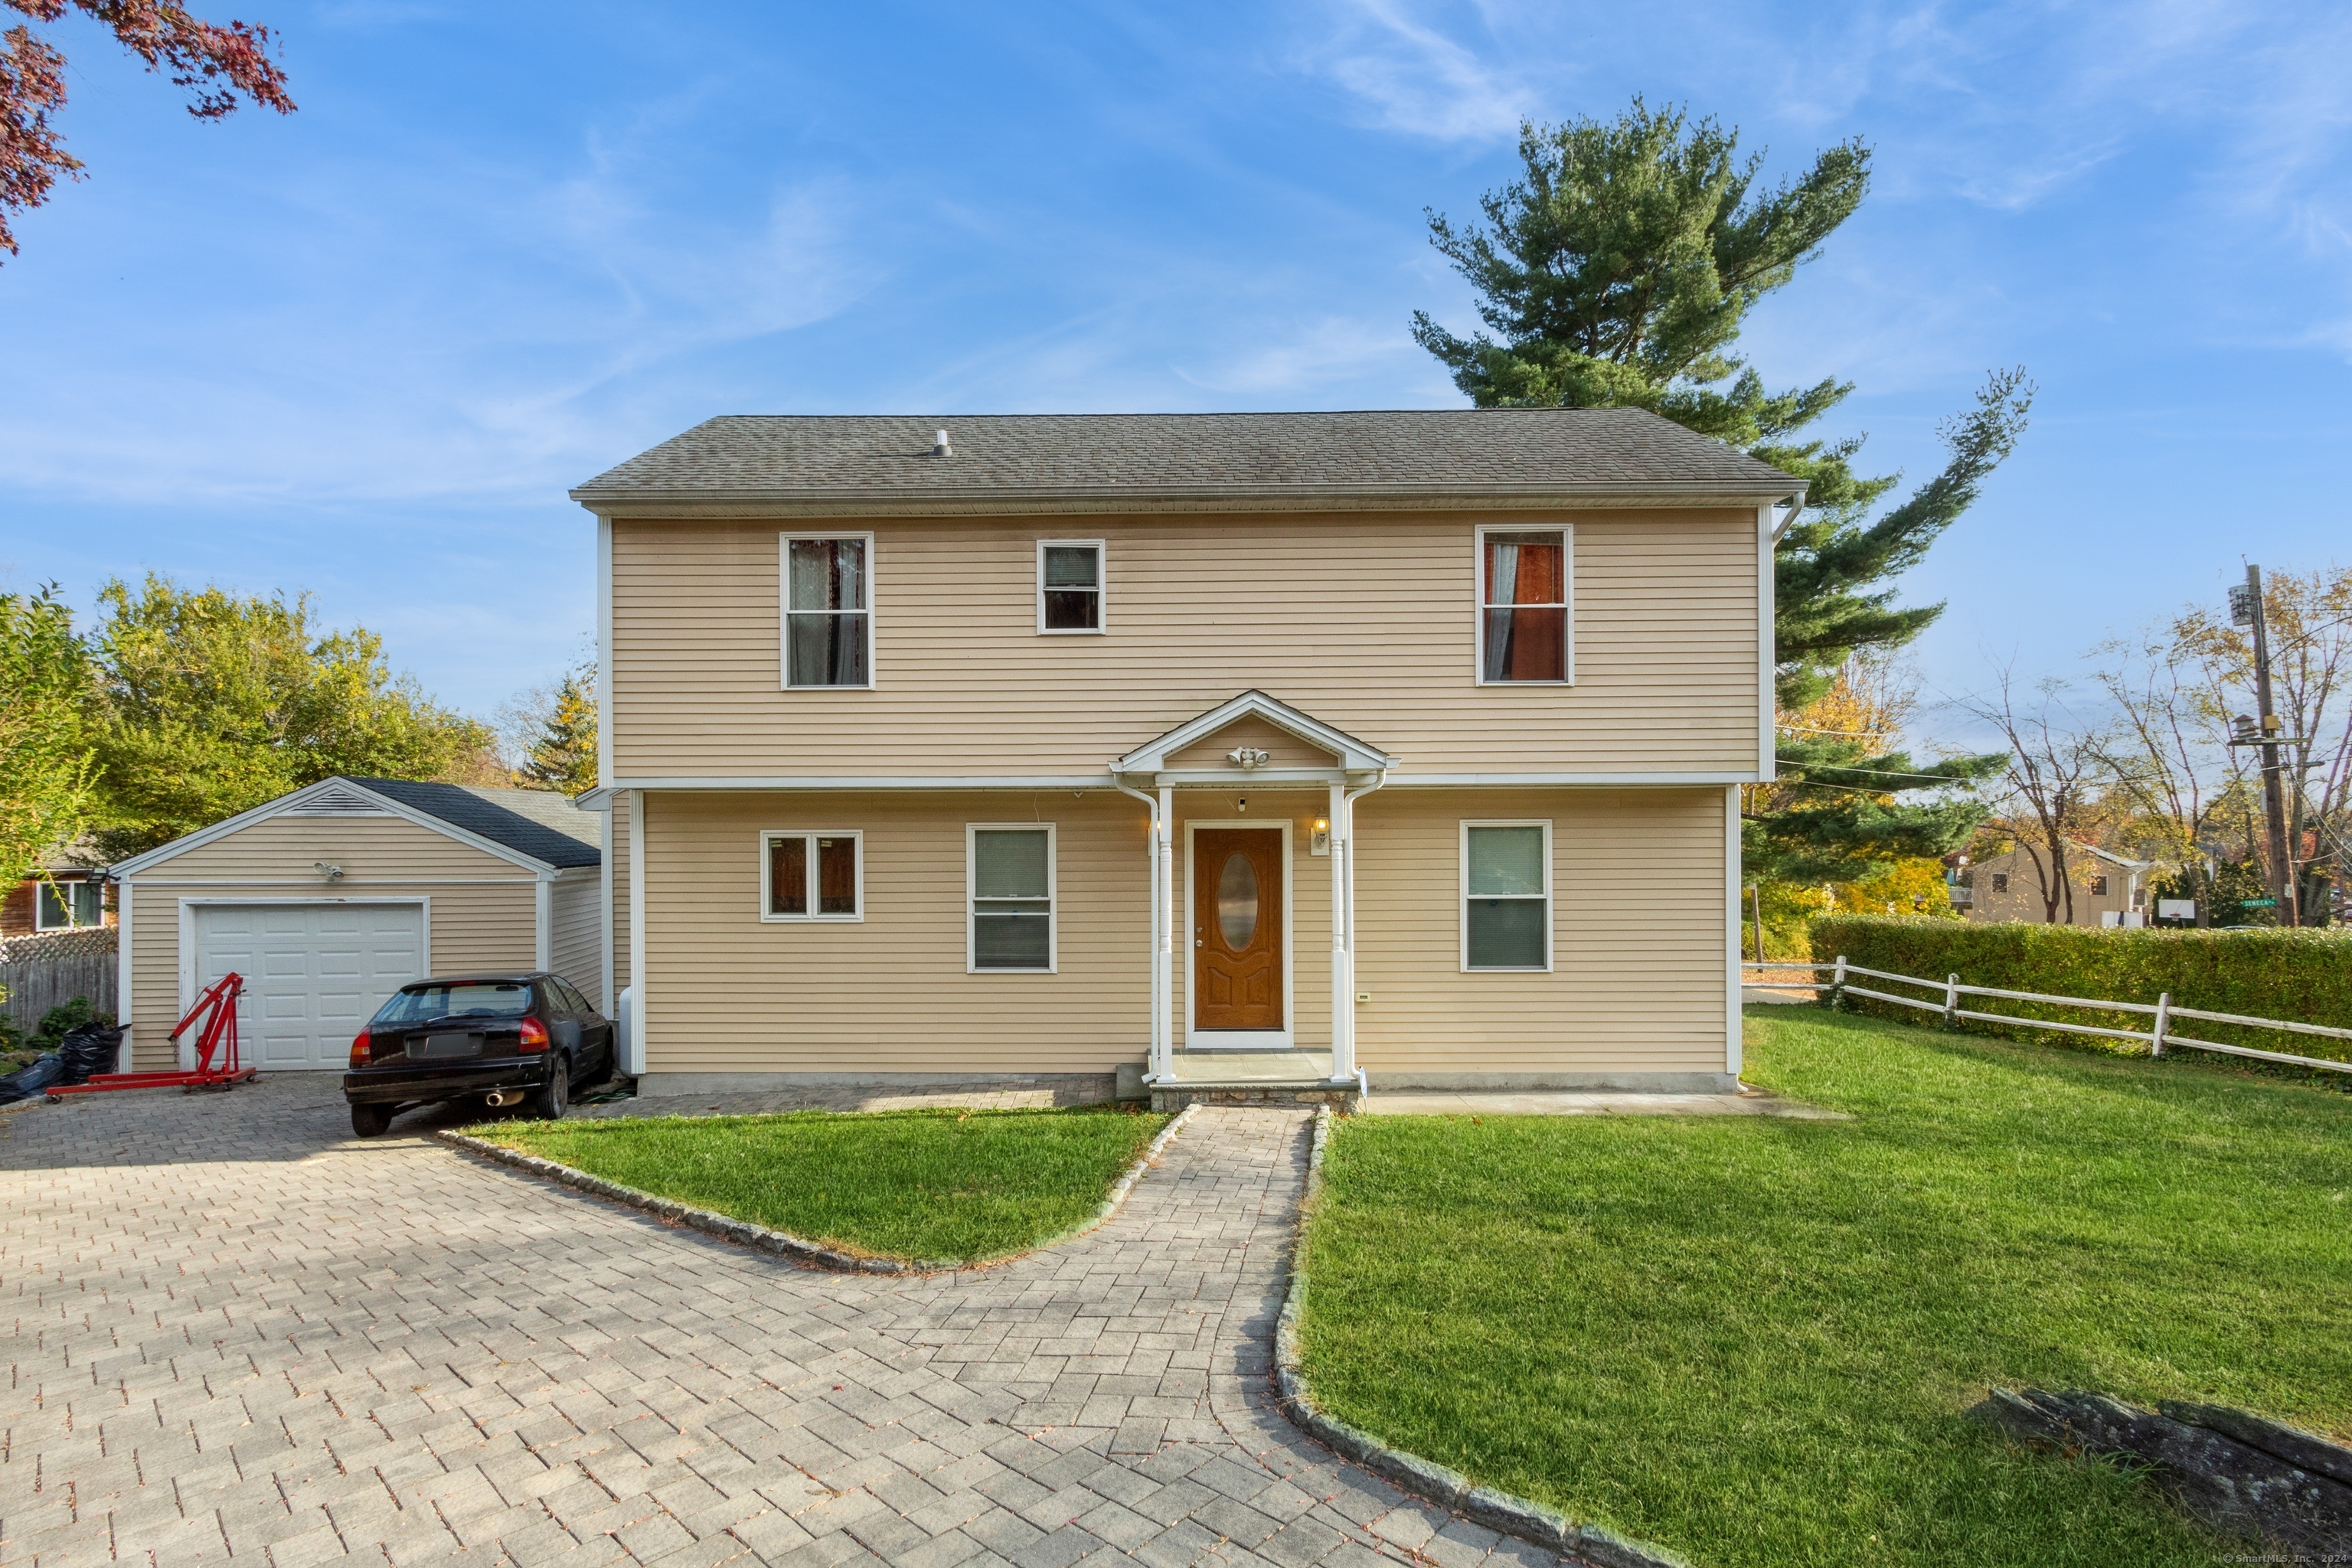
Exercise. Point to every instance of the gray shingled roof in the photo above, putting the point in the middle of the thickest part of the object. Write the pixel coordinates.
(1515, 452)
(541, 824)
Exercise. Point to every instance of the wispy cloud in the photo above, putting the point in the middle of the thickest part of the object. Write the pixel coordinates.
(1415, 76)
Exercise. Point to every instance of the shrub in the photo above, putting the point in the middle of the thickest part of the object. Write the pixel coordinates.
(2302, 976)
(68, 1015)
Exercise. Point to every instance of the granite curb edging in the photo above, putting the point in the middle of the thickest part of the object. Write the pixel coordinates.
(1497, 1511)
(760, 1238)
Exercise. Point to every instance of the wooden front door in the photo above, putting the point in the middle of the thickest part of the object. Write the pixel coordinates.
(1237, 928)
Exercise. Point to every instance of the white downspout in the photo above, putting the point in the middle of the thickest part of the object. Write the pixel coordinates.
(544, 923)
(1157, 1049)
(1165, 1006)
(1342, 997)
(1343, 1043)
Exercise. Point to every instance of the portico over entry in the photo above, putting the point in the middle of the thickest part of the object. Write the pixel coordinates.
(1237, 900)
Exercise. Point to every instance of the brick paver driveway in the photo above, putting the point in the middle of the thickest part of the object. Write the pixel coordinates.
(234, 1331)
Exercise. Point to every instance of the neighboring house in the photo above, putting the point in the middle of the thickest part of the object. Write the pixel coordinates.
(1247, 748)
(2108, 888)
(330, 899)
(69, 893)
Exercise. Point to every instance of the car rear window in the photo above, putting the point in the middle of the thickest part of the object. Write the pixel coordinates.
(476, 999)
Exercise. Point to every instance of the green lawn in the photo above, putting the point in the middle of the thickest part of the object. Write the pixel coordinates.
(1751, 1339)
(934, 1185)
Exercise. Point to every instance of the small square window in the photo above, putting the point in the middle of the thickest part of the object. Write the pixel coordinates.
(2001, 881)
(2098, 887)
(1507, 895)
(1069, 586)
(813, 875)
(1010, 871)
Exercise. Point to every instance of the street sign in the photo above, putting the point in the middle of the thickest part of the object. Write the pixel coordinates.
(2258, 904)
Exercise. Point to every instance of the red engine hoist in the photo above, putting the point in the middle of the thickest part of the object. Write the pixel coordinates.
(217, 1008)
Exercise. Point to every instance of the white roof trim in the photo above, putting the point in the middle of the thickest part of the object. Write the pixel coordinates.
(335, 788)
(1353, 755)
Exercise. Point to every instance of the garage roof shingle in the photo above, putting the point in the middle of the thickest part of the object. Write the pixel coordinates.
(540, 823)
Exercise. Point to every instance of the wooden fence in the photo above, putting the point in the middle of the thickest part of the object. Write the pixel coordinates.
(2163, 1012)
(52, 968)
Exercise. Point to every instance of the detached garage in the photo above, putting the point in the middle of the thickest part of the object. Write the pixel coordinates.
(331, 898)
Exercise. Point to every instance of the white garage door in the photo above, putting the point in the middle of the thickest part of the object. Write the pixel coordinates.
(313, 973)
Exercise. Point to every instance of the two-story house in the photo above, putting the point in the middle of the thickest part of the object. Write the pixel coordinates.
(1252, 748)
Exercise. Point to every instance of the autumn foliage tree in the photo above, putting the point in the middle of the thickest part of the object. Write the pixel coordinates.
(220, 65)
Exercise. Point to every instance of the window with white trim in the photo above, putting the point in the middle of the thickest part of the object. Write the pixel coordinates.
(1523, 606)
(1507, 895)
(1009, 880)
(828, 610)
(61, 906)
(813, 875)
(1070, 585)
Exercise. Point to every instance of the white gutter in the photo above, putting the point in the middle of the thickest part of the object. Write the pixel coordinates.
(1796, 505)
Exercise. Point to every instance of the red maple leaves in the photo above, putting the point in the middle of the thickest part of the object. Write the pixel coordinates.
(214, 63)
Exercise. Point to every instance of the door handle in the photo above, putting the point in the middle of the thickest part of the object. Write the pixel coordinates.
(1198, 943)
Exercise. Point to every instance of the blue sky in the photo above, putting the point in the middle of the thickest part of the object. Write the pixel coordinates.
(365, 350)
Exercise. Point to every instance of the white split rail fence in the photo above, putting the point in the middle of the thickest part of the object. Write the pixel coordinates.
(2160, 1037)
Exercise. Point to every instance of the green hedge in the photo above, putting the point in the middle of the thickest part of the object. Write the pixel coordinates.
(2305, 977)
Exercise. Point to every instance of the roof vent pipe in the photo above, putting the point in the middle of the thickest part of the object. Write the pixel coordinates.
(940, 448)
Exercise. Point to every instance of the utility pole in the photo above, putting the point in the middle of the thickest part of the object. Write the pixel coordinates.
(2246, 610)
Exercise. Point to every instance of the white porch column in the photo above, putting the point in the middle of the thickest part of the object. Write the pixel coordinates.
(1163, 997)
(1343, 981)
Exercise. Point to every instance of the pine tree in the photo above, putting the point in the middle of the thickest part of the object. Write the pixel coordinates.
(1617, 272)
(564, 755)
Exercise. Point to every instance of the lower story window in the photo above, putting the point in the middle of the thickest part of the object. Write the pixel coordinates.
(60, 905)
(1507, 895)
(813, 875)
(1010, 871)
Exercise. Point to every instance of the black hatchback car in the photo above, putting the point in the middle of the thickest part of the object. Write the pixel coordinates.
(504, 1039)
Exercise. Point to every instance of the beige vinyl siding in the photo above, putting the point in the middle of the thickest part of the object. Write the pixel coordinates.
(2023, 898)
(577, 949)
(725, 992)
(1282, 750)
(1638, 983)
(1639, 912)
(483, 911)
(1366, 621)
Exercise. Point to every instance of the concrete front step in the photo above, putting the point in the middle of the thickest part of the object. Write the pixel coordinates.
(1298, 1077)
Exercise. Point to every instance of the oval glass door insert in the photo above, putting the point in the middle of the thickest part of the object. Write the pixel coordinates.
(1237, 901)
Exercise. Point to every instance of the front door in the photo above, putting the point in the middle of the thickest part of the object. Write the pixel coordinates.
(1237, 928)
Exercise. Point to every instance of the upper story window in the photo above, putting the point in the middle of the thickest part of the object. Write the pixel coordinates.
(1523, 606)
(2098, 887)
(1069, 584)
(2001, 881)
(828, 610)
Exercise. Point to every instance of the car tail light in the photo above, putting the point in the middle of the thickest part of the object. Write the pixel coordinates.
(361, 1047)
(534, 1035)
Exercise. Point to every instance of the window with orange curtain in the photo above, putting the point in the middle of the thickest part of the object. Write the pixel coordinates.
(812, 876)
(1523, 619)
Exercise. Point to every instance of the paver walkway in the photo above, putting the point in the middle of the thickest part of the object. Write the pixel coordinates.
(234, 1331)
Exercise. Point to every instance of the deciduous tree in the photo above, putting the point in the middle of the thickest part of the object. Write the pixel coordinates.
(561, 752)
(212, 704)
(46, 765)
(217, 63)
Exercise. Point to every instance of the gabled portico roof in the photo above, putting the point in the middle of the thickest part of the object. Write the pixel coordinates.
(1348, 754)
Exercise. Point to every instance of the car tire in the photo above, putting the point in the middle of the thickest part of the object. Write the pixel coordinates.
(372, 1121)
(553, 1097)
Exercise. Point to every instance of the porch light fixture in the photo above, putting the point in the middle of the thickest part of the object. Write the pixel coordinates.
(1248, 758)
(332, 873)
(1319, 841)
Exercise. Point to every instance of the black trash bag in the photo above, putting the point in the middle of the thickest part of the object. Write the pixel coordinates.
(90, 1048)
(28, 1081)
